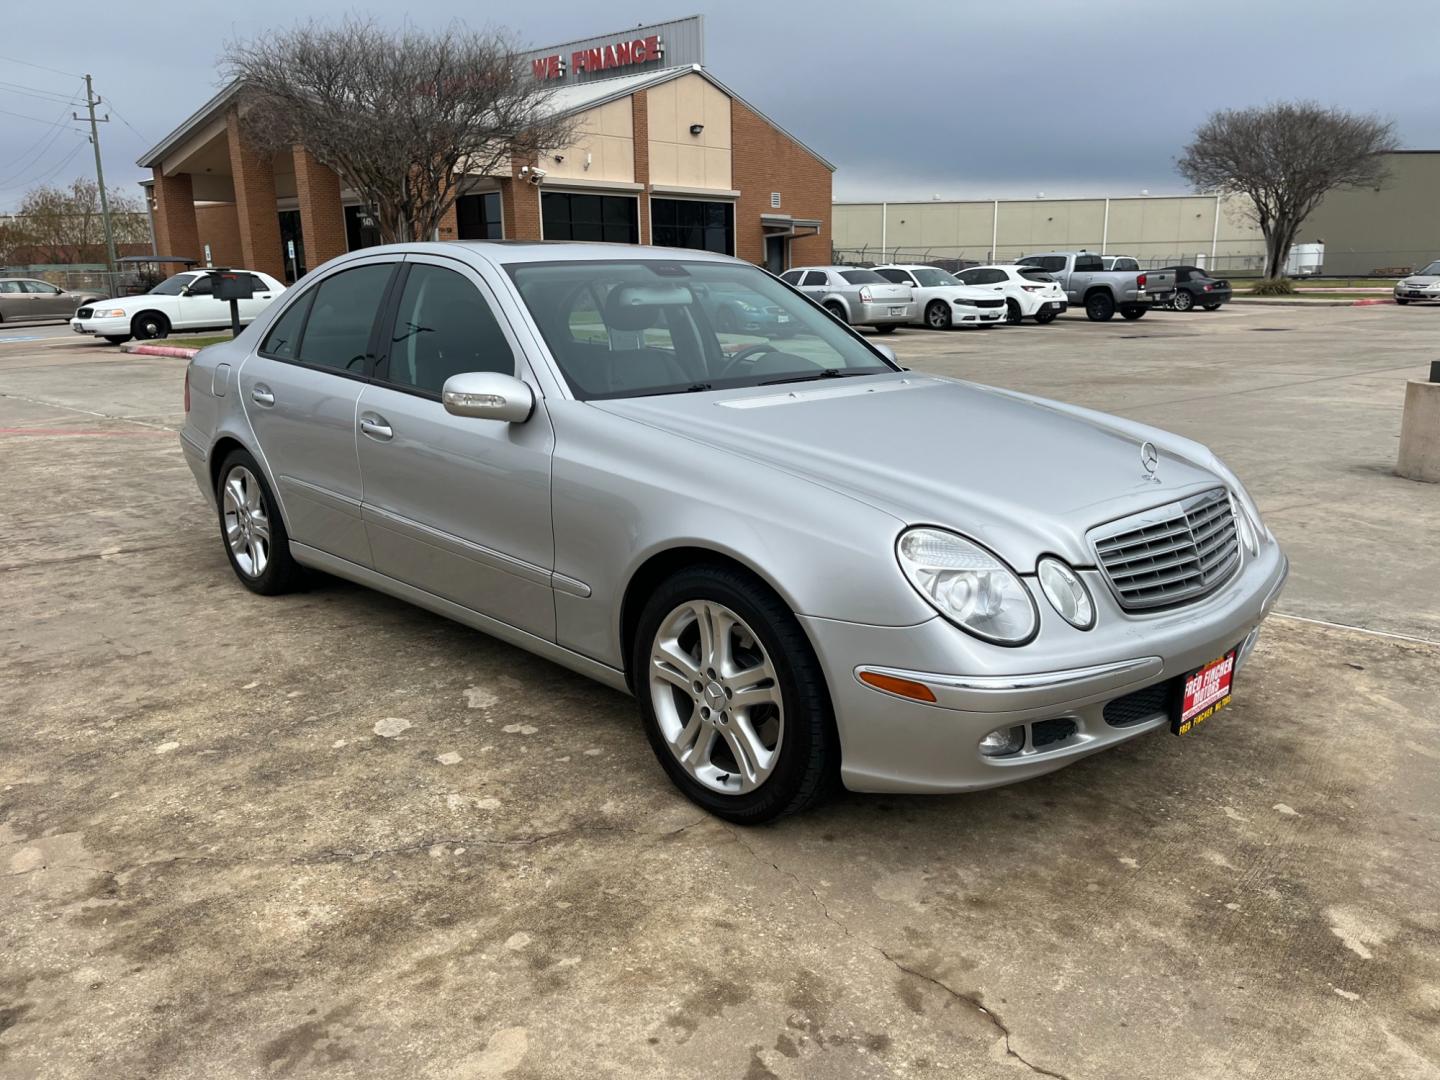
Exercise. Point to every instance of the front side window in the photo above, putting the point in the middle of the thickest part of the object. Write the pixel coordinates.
(41, 288)
(635, 328)
(443, 327)
(202, 286)
(337, 333)
(173, 286)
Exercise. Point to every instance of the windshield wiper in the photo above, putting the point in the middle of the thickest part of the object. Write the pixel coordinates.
(695, 388)
(828, 373)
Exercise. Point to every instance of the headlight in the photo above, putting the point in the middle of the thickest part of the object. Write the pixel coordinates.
(1249, 535)
(1067, 593)
(968, 585)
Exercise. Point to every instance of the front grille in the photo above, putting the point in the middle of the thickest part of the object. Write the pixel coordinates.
(989, 303)
(1174, 553)
(1141, 705)
(84, 313)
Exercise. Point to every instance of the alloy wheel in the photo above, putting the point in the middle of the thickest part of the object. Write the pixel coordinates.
(716, 697)
(247, 526)
(1183, 301)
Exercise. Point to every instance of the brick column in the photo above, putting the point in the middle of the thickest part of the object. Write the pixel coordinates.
(520, 203)
(175, 229)
(322, 219)
(255, 204)
(640, 112)
(449, 227)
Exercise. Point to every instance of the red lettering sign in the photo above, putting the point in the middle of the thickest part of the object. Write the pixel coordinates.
(601, 58)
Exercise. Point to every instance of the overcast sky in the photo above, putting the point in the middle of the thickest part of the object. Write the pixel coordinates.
(954, 99)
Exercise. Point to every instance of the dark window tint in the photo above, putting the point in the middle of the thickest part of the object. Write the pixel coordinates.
(988, 277)
(444, 326)
(284, 336)
(1087, 263)
(172, 286)
(690, 223)
(258, 284)
(1035, 274)
(477, 217)
(900, 277)
(815, 277)
(576, 216)
(1053, 263)
(862, 277)
(791, 277)
(337, 334)
(967, 277)
(202, 286)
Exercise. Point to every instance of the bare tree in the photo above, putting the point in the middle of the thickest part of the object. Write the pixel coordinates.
(65, 221)
(401, 118)
(1286, 158)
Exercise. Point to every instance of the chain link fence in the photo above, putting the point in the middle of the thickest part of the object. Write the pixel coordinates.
(102, 282)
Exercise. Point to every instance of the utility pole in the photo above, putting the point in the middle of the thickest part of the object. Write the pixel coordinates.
(90, 102)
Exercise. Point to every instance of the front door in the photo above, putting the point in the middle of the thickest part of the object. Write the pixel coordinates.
(456, 506)
(300, 391)
(197, 308)
(776, 254)
(49, 301)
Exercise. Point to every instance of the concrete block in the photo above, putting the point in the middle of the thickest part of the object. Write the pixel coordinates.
(1420, 433)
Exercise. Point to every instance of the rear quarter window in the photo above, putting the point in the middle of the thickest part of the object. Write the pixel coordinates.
(862, 277)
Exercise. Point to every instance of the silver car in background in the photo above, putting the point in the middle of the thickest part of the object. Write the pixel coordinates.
(27, 300)
(1422, 285)
(808, 565)
(855, 295)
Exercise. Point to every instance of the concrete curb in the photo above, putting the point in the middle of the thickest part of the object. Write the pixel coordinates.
(158, 350)
(1286, 302)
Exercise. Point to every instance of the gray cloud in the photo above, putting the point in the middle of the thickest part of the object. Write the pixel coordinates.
(960, 99)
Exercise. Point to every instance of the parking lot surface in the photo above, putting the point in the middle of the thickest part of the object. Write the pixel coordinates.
(332, 835)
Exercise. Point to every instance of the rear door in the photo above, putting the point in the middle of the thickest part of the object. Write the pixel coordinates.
(301, 390)
(262, 293)
(16, 305)
(454, 505)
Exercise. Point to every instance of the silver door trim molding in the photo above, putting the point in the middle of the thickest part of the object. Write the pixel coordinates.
(332, 499)
(456, 545)
(583, 665)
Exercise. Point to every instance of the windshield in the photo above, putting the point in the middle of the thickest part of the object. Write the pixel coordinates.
(1433, 270)
(928, 277)
(172, 286)
(631, 328)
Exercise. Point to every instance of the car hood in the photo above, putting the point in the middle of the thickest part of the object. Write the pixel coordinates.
(1022, 475)
(1420, 279)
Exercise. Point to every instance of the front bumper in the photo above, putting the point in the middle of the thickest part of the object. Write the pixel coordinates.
(963, 314)
(881, 314)
(1067, 676)
(1417, 292)
(101, 327)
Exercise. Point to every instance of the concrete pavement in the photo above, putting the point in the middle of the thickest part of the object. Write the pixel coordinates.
(235, 840)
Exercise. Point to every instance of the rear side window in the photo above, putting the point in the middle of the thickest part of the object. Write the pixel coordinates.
(815, 277)
(284, 337)
(1088, 262)
(337, 334)
(862, 277)
(444, 327)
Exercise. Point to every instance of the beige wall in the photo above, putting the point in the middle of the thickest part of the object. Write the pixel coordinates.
(1397, 226)
(677, 158)
(1154, 228)
(607, 136)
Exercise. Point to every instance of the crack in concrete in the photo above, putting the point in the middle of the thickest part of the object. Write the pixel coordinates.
(965, 999)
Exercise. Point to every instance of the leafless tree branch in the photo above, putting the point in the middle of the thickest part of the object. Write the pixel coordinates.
(1286, 158)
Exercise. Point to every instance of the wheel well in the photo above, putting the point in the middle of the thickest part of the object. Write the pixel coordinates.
(647, 579)
(149, 311)
(1099, 289)
(218, 453)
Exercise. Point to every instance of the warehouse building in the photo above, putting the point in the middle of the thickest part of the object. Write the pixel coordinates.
(1382, 231)
(667, 154)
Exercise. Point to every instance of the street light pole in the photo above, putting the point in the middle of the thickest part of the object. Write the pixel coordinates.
(90, 102)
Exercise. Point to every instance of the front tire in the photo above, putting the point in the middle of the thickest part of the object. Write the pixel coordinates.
(252, 530)
(1099, 307)
(937, 315)
(732, 697)
(1402, 301)
(149, 325)
(1013, 316)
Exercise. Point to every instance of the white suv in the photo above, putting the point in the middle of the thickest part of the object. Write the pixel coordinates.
(183, 302)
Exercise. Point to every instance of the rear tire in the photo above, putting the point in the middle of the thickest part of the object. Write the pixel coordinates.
(1099, 307)
(885, 328)
(1211, 307)
(1133, 312)
(787, 736)
(252, 530)
(149, 325)
(1013, 317)
(838, 311)
(937, 315)
(1046, 315)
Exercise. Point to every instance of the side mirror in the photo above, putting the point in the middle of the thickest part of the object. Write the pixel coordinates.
(886, 351)
(488, 395)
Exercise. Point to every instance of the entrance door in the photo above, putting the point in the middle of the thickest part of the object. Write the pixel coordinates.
(777, 254)
(291, 232)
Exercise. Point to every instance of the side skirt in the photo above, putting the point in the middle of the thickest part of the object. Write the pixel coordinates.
(331, 564)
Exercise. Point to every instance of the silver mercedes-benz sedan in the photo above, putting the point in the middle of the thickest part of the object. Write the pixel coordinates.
(809, 565)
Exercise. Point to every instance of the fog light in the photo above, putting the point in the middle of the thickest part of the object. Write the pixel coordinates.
(1002, 742)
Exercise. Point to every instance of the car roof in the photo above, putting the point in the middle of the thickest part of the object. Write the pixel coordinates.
(504, 252)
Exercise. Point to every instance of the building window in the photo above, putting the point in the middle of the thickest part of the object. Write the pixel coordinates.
(690, 223)
(361, 228)
(574, 216)
(477, 217)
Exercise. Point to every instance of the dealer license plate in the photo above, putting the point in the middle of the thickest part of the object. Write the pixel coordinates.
(897, 310)
(1204, 693)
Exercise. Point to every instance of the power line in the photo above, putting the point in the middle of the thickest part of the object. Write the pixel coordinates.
(51, 174)
(39, 92)
(122, 119)
(23, 116)
(37, 150)
(42, 67)
(44, 174)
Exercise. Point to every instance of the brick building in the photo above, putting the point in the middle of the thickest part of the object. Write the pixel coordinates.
(666, 154)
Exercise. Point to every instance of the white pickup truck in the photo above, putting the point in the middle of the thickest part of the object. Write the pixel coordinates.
(1102, 292)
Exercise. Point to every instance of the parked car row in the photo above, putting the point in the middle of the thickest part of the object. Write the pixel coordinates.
(26, 300)
(183, 302)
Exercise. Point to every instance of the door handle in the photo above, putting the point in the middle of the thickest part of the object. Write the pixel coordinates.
(376, 427)
(261, 395)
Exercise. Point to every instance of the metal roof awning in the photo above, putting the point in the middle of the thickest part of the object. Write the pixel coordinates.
(132, 259)
(785, 225)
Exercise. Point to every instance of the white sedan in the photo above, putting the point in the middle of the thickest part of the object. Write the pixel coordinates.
(942, 302)
(183, 302)
(1028, 291)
